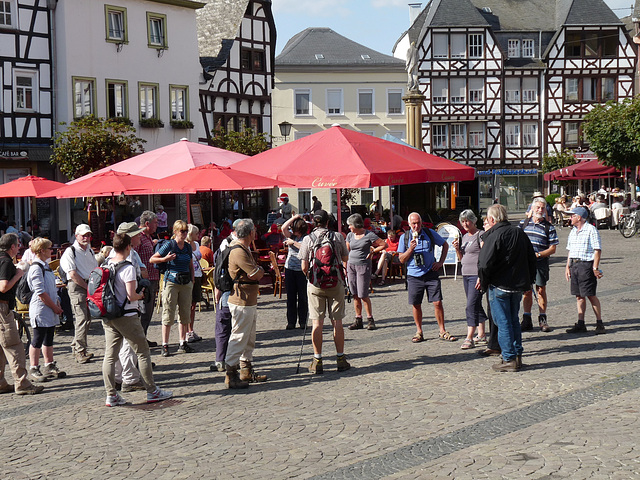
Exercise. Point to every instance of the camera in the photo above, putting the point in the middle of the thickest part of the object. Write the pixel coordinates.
(418, 259)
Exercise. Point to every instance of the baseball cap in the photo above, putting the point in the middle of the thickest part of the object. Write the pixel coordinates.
(130, 228)
(82, 229)
(159, 207)
(582, 211)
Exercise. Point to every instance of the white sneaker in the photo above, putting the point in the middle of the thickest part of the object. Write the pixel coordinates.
(115, 400)
(159, 395)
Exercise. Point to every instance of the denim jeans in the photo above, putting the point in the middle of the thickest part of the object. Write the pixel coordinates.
(504, 310)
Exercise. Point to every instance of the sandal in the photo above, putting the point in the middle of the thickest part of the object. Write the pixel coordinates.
(480, 340)
(381, 283)
(467, 344)
(418, 337)
(446, 336)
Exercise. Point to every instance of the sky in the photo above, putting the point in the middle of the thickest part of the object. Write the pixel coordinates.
(376, 24)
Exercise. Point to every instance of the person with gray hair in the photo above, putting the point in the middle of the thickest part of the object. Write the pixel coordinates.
(467, 252)
(149, 225)
(243, 305)
(544, 239)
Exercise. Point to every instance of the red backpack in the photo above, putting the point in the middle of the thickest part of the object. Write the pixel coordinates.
(101, 292)
(326, 269)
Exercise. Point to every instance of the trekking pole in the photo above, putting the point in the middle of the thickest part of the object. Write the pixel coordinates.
(302, 346)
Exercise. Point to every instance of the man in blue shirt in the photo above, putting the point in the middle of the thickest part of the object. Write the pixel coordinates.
(422, 273)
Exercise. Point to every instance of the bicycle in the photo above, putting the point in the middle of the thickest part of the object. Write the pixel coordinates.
(23, 331)
(629, 224)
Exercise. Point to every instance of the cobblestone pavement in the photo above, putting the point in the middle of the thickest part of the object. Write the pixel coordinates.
(404, 410)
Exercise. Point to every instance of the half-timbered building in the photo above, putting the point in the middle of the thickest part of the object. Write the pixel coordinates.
(506, 82)
(237, 41)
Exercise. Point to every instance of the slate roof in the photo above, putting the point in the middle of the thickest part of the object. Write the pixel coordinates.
(219, 20)
(302, 50)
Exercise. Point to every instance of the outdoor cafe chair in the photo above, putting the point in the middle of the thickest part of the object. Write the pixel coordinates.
(276, 274)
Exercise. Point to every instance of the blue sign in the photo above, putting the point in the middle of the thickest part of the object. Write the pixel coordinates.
(506, 171)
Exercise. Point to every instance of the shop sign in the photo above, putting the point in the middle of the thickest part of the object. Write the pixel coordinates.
(11, 154)
(507, 171)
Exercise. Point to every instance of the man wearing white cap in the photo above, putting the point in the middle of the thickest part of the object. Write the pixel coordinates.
(77, 262)
(162, 219)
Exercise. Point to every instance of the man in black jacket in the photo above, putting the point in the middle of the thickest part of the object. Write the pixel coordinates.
(507, 268)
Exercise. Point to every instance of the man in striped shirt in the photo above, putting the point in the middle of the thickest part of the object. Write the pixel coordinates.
(544, 239)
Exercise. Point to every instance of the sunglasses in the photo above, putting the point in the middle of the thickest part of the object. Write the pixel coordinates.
(184, 231)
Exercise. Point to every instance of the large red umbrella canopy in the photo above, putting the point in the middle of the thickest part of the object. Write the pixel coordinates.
(582, 170)
(29, 186)
(341, 158)
(105, 184)
(207, 178)
(175, 158)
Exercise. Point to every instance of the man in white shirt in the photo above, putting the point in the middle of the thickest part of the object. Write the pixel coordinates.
(77, 262)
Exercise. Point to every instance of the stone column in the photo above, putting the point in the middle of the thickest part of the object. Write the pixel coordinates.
(413, 105)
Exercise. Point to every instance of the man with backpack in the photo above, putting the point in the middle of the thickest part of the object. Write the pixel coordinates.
(544, 239)
(416, 251)
(77, 262)
(322, 255)
(149, 225)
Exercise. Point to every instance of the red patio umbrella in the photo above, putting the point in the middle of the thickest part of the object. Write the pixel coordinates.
(105, 184)
(171, 159)
(29, 186)
(593, 169)
(341, 158)
(206, 178)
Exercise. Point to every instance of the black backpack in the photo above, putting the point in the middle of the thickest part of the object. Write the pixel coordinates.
(162, 267)
(429, 234)
(23, 292)
(61, 273)
(221, 276)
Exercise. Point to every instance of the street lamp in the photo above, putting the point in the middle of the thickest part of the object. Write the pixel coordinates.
(285, 129)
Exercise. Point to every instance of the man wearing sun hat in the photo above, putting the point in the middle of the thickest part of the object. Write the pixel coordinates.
(77, 262)
(582, 270)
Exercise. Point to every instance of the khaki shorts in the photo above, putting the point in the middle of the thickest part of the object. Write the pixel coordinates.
(321, 300)
(176, 297)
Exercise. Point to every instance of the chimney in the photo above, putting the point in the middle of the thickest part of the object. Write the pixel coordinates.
(414, 11)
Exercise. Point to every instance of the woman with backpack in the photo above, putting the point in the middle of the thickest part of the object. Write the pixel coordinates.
(362, 244)
(294, 230)
(44, 312)
(178, 285)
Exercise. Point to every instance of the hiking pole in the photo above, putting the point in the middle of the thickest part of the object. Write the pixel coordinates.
(304, 334)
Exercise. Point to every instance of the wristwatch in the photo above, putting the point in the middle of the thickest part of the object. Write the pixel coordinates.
(538, 254)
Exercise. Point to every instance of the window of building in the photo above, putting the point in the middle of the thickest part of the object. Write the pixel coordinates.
(8, 13)
(116, 23)
(366, 196)
(476, 90)
(476, 135)
(529, 90)
(365, 101)
(302, 102)
(571, 89)
(590, 44)
(304, 199)
(440, 91)
(117, 101)
(298, 135)
(439, 136)
(572, 47)
(476, 42)
(394, 101)
(149, 101)
(512, 90)
(157, 30)
(608, 89)
(458, 45)
(458, 90)
(252, 60)
(610, 43)
(440, 45)
(589, 89)
(513, 48)
(179, 102)
(84, 92)
(603, 43)
(458, 135)
(528, 48)
(530, 135)
(571, 133)
(334, 101)
(25, 91)
(512, 134)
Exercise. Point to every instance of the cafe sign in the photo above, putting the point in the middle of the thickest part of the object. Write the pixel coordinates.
(10, 154)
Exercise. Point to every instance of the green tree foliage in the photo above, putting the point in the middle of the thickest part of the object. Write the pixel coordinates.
(247, 142)
(613, 130)
(92, 143)
(555, 160)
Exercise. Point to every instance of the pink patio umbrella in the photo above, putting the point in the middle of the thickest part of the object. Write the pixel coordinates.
(29, 186)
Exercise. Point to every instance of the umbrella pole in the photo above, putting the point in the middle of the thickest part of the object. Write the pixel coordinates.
(338, 195)
(188, 209)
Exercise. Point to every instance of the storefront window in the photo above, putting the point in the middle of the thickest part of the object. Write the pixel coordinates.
(511, 188)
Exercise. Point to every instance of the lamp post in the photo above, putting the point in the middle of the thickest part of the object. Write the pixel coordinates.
(285, 129)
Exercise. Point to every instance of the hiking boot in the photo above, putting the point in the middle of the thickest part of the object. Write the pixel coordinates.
(193, 337)
(232, 380)
(131, 387)
(316, 366)
(152, 344)
(519, 362)
(544, 327)
(510, 366)
(185, 348)
(159, 395)
(52, 371)
(248, 374)
(579, 327)
(489, 352)
(35, 375)
(600, 328)
(114, 400)
(527, 324)
(83, 357)
(32, 390)
(357, 325)
(343, 365)
(371, 325)
(8, 388)
(217, 367)
(165, 351)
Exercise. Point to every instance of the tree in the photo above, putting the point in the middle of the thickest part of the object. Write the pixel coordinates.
(246, 142)
(91, 143)
(554, 161)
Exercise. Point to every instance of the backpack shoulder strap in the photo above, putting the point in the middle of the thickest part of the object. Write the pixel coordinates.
(525, 224)
(431, 238)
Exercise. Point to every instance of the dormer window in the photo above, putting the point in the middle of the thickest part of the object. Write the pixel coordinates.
(365, 57)
(319, 56)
